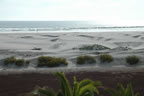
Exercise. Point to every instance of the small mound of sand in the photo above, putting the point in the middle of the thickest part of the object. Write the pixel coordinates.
(127, 44)
(58, 45)
(142, 38)
(93, 47)
(127, 34)
(121, 49)
(99, 38)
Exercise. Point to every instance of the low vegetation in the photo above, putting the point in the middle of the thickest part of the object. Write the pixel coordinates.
(10, 60)
(47, 61)
(106, 58)
(19, 62)
(93, 47)
(13, 61)
(132, 60)
(85, 60)
(84, 87)
(122, 91)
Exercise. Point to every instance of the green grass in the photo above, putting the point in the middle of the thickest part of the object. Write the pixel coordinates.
(85, 60)
(132, 60)
(106, 58)
(47, 61)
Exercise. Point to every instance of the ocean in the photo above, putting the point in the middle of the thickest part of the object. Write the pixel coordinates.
(62, 26)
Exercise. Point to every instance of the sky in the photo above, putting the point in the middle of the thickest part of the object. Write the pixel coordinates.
(120, 12)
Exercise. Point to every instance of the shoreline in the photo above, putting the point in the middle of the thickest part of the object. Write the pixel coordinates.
(46, 32)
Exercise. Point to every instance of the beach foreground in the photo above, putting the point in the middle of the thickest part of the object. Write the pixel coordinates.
(18, 80)
(17, 84)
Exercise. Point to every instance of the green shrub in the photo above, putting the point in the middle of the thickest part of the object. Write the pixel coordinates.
(13, 61)
(20, 62)
(85, 60)
(132, 60)
(106, 58)
(10, 60)
(51, 61)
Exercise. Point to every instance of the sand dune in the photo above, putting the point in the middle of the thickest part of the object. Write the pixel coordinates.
(121, 44)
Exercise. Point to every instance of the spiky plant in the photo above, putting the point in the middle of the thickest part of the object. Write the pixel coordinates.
(41, 92)
(64, 85)
(44, 92)
(128, 91)
(85, 87)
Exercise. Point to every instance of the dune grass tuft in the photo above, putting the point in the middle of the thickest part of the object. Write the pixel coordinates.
(85, 60)
(19, 62)
(106, 58)
(47, 61)
(10, 60)
(93, 47)
(13, 61)
(132, 60)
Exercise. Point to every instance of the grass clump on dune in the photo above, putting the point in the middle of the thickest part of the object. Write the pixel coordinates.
(19, 62)
(10, 60)
(47, 61)
(132, 60)
(93, 47)
(106, 58)
(13, 61)
(85, 60)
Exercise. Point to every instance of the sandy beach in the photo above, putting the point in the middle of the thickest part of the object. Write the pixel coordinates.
(88, 39)
(15, 81)
(67, 45)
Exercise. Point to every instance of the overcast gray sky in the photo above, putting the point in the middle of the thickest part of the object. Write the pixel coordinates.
(103, 11)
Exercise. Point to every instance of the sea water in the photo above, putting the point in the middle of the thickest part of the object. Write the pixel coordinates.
(62, 26)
